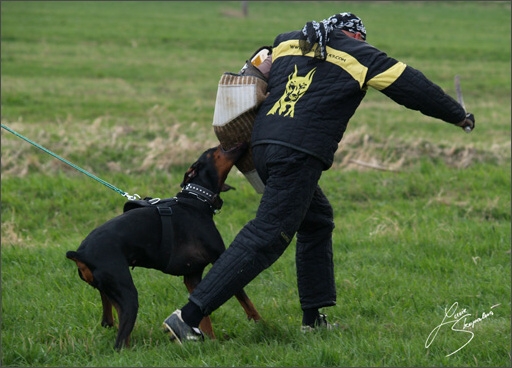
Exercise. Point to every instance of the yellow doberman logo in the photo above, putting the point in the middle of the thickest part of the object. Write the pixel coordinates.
(296, 87)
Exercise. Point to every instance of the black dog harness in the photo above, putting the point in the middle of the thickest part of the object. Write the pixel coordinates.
(164, 206)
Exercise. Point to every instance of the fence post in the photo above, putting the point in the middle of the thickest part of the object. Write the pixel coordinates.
(245, 9)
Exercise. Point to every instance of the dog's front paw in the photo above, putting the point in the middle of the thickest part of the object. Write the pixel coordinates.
(106, 323)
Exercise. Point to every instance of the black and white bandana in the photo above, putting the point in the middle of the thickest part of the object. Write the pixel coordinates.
(318, 32)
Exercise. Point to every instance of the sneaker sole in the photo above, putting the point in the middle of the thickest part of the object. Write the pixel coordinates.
(172, 335)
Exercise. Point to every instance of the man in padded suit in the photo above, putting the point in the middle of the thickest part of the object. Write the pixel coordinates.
(318, 78)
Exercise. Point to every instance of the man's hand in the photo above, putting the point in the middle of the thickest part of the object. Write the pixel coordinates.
(468, 124)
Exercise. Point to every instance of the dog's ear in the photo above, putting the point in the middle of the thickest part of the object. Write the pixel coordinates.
(226, 187)
(190, 174)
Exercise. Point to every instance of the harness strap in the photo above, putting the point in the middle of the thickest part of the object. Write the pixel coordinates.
(165, 212)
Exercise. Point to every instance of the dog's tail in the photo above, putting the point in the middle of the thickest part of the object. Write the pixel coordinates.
(71, 254)
(83, 270)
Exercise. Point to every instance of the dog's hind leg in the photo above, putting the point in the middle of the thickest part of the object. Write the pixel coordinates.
(205, 325)
(107, 320)
(127, 314)
(248, 306)
(119, 291)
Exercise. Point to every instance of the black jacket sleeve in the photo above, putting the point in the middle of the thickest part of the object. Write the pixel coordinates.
(415, 91)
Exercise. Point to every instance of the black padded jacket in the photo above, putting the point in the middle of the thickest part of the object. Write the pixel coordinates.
(311, 101)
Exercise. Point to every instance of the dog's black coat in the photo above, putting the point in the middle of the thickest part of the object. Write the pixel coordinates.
(134, 239)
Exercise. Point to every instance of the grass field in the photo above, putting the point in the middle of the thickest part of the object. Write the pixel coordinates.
(126, 90)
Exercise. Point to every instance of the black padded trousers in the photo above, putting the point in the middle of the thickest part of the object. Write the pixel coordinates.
(292, 203)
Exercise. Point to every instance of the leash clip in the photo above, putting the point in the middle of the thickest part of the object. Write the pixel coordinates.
(131, 197)
(154, 200)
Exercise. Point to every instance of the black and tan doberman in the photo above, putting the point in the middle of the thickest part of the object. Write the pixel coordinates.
(176, 236)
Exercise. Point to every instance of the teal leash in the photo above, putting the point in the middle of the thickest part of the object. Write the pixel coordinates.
(108, 185)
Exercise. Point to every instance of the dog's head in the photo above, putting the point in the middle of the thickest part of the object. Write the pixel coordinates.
(212, 168)
(297, 86)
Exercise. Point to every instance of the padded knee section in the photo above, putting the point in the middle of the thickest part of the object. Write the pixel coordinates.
(252, 251)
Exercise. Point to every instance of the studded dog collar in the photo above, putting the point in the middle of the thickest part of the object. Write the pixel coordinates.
(204, 195)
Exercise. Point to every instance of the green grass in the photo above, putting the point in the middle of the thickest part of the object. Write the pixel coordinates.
(126, 90)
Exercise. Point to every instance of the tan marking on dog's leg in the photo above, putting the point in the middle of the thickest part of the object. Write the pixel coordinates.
(248, 306)
(206, 323)
(206, 326)
(85, 271)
